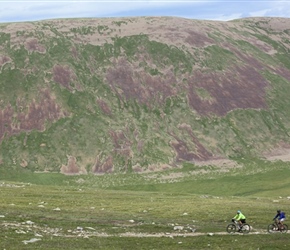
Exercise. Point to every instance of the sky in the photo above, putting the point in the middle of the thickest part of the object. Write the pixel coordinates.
(36, 10)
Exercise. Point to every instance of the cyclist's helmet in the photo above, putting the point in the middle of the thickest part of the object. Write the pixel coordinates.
(238, 211)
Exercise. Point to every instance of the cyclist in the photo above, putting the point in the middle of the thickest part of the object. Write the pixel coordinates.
(280, 217)
(240, 218)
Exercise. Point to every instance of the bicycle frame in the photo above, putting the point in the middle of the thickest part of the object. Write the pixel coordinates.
(234, 226)
(277, 226)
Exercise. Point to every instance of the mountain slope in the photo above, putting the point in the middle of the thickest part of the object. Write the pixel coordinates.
(139, 94)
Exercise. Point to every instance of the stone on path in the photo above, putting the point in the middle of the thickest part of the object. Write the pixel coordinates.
(30, 241)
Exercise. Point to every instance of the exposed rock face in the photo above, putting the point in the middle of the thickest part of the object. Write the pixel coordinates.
(103, 167)
(72, 167)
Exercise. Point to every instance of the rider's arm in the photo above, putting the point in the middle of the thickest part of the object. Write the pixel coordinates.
(237, 217)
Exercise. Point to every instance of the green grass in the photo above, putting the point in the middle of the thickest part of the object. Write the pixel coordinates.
(259, 184)
(218, 58)
(109, 212)
(203, 242)
(105, 205)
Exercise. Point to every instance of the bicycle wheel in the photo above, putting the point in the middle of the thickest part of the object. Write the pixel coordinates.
(285, 229)
(272, 228)
(231, 228)
(246, 228)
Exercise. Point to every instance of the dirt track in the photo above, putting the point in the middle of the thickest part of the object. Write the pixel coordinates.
(187, 234)
(92, 232)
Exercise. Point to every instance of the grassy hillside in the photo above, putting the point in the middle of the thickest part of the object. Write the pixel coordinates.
(138, 94)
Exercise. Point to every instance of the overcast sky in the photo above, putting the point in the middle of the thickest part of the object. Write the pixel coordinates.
(33, 10)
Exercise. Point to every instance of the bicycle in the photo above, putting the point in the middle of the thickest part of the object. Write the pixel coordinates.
(276, 227)
(234, 227)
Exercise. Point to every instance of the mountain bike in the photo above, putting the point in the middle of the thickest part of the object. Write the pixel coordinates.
(277, 227)
(234, 227)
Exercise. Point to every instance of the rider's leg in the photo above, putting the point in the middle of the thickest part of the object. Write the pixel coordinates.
(277, 222)
(241, 222)
(281, 223)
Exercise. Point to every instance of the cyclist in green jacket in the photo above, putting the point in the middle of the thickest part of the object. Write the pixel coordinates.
(240, 218)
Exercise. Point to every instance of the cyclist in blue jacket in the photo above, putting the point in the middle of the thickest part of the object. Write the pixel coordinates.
(280, 217)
